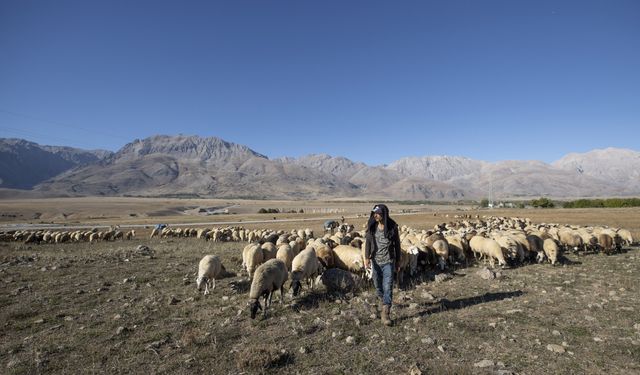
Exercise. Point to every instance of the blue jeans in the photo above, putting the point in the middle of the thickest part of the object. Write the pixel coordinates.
(383, 281)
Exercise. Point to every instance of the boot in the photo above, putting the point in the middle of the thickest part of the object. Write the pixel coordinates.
(386, 312)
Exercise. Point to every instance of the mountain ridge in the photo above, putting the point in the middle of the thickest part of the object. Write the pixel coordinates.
(163, 165)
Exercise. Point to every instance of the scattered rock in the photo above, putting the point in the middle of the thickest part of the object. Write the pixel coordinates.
(597, 339)
(484, 363)
(556, 348)
(486, 274)
(428, 296)
(555, 332)
(441, 348)
(415, 370)
(120, 330)
(442, 277)
(350, 340)
(39, 321)
(428, 341)
(413, 306)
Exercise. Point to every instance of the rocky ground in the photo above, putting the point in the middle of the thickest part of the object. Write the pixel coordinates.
(112, 308)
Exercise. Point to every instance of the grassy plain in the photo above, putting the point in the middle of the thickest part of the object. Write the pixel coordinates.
(107, 308)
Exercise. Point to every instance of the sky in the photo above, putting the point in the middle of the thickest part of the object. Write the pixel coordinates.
(373, 81)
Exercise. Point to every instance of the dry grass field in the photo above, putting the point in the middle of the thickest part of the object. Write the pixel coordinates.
(108, 308)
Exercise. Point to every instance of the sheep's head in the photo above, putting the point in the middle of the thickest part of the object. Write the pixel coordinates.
(201, 281)
(296, 285)
(254, 306)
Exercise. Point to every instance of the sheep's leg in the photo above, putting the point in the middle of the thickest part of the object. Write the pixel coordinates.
(213, 284)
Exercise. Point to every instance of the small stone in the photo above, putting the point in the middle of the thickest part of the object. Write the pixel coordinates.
(350, 340)
(413, 306)
(428, 296)
(450, 325)
(391, 359)
(303, 350)
(120, 330)
(597, 339)
(492, 324)
(39, 321)
(442, 277)
(68, 318)
(80, 291)
(555, 332)
(441, 348)
(417, 320)
(636, 326)
(415, 370)
(225, 298)
(556, 348)
(484, 363)
(428, 341)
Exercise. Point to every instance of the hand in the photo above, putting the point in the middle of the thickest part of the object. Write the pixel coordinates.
(367, 263)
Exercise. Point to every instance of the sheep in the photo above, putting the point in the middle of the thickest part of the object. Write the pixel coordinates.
(606, 242)
(325, 256)
(551, 250)
(209, 269)
(269, 250)
(337, 280)
(131, 234)
(441, 249)
(269, 276)
(349, 258)
(252, 257)
(285, 254)
(625, 234)
(304, 266)
(487, 247)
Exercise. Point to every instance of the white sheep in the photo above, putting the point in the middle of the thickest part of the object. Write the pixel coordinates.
(349, 258)
(304, 266)
(269, 277)
(209, 269)
(252, 257)
(488, 247)
(285, 254)
(551, 250)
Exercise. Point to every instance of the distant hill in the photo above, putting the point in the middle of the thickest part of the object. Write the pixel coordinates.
(24, 164)
(211, 167)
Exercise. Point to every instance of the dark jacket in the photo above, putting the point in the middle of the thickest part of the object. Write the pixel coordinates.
(390, 231)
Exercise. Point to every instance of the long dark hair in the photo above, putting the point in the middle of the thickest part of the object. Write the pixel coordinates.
(372, 224)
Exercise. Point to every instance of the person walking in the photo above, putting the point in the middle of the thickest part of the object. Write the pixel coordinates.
(382, 254)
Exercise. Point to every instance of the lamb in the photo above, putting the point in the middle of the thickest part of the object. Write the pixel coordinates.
(270, 276)
(305, 266)
(209, 269)
(606, 242)
(487, 247)
(252, 257)
(551, 250)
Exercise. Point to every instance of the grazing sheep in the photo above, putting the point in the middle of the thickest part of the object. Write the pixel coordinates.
(325, 256)
(304, 266)
(349, 259)
(606, 242)
(285, 254)
(551, 250)
(130, 234)
(269, 250)
(269, 277)
(209, 269)
(488, 247)
(337, 280)
(625, 234)
(252, 257)
(441, 249)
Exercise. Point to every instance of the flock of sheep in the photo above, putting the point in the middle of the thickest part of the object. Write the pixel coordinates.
(336, 259)
(62, 236)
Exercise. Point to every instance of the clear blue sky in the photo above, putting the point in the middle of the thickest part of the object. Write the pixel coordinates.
(371, 81)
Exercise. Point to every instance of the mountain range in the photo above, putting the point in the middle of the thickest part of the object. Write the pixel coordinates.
(194, 166)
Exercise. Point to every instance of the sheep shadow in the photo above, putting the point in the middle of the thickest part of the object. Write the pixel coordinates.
(445, 304)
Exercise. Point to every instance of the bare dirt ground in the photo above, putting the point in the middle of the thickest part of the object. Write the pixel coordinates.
(108, 308)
